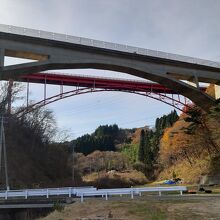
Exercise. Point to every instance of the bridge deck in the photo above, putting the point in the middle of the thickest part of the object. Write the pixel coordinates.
(97, 82)
(102, 44)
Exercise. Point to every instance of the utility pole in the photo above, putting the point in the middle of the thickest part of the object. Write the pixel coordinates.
(73, 164)
(3, 153)
(73, 171)
(10, 85)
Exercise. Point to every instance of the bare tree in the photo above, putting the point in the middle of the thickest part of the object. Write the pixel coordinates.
(42, 122)
(10, 92)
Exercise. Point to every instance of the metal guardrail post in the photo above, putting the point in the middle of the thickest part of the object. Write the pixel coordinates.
(47, 193)
(106, 196)
(159, 193)
(81, 197)
(26, 194)
(132, 194)
(6, 194)
(70, 189)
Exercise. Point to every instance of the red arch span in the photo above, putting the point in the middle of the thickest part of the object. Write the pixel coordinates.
(88, 84)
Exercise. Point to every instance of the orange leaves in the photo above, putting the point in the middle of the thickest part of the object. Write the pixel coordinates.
(173, 142)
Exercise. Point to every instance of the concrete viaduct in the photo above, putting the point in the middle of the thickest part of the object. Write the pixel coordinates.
(58, 51)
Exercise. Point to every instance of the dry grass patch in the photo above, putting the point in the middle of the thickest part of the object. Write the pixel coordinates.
(114, 179)
(145, 208)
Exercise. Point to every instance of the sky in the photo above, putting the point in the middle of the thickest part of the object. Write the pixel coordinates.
(189, 27)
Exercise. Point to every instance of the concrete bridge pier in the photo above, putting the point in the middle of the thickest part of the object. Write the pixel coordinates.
(194, 82)
(2, 57)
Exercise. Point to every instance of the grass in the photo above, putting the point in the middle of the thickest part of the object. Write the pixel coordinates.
(143, 208)
(139, 210)
(146, 211)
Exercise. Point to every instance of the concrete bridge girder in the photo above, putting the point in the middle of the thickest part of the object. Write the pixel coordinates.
(69, 56)
(44, 51)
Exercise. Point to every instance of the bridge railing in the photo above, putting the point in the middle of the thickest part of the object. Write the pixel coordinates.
(102, 44)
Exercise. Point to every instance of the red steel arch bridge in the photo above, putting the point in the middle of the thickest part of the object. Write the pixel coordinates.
(80, 84)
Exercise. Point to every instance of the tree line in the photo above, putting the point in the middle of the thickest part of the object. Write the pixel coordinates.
(103, 139)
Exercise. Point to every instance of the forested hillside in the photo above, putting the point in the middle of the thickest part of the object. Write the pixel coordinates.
(144, 154)
(33, 159)
(190, 148)
(105, 138)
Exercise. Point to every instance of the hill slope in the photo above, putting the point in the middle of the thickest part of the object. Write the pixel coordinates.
(190, 148)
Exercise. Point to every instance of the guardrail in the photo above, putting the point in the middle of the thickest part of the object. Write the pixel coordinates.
(103, 44)
(128, 191)
(83, 192)
(26, 193)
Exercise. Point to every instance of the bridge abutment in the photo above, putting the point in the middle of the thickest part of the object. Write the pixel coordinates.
(217, 91)
(23, 213)
(15, 215)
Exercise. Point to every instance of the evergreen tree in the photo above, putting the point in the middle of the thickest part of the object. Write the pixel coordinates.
(148, 155)
(141, 150)
(102, 139)
(154, 137)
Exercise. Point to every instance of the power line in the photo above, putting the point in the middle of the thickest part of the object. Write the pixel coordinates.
(129, 122)
(88, 108)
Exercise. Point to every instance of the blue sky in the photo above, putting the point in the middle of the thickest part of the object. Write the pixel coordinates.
(189, 27)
